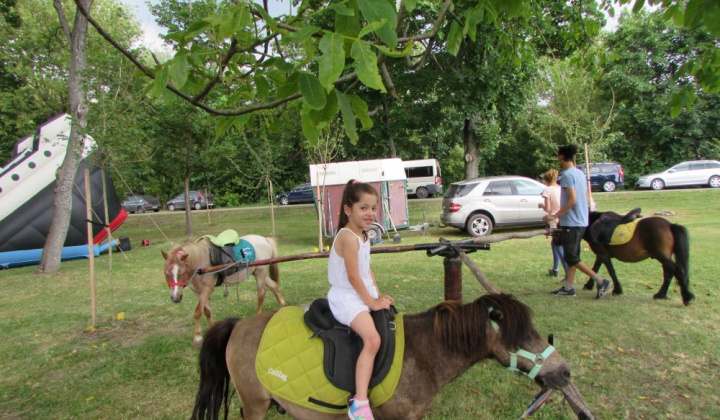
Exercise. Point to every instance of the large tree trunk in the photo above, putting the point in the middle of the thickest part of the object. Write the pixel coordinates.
(471, 148)
(62, 203)
(386, 120)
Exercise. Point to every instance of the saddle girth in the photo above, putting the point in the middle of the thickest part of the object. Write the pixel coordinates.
(341, 346)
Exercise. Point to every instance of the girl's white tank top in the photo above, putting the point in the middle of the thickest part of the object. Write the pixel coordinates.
(337, 273)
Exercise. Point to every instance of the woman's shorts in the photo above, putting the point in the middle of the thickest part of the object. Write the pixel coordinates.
(345, 304)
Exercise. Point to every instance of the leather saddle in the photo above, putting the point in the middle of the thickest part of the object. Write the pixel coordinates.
(603, 224)
(228, 254)
(342, 346)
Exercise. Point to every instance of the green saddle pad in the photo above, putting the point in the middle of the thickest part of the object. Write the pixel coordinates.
(289, 365)
(229, 236)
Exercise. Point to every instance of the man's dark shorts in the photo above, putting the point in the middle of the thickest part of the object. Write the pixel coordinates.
(571, 238)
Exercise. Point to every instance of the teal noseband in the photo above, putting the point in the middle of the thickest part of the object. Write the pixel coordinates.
(537, 359)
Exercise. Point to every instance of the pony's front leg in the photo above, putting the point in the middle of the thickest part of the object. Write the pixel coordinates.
(617, 288)
(197, 337)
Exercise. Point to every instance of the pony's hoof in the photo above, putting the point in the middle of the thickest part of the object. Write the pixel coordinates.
(659, 296)
(588, 286)
(197, 342)
(616, 292)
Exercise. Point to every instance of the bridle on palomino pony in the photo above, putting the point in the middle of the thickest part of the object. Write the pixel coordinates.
(186, 277)
(537, 359)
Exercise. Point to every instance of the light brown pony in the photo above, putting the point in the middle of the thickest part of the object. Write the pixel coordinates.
(458, 335)
(183, 261)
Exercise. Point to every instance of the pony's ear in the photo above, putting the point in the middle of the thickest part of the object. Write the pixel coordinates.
(164, 254)
(184, 256)
(496, 315)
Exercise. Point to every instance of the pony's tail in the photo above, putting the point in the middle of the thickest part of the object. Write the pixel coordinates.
(214, 387)
(274, 267)
(682, 256)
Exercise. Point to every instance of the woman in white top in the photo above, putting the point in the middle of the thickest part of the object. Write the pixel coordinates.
(551, 205)
(354, 291)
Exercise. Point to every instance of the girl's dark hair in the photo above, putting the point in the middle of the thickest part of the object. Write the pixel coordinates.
(351, 195)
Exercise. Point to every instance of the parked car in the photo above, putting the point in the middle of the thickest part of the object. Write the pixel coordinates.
(141, 204)
(690, 173)
(197, 201)
(302, 193)
(479, 205)
(605, 176)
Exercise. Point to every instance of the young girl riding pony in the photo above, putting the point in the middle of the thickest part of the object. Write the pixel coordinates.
(354, 291)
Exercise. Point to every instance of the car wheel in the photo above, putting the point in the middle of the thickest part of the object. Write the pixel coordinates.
(421, 192)
(609, 186)
(140, 209)
(714, 181)
(197, 206)
(373, 232)
(284, 201)
(171, 207)
(657, 184)
(479, 225)
(156, 210)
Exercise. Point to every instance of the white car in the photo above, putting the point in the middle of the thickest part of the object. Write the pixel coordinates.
(690, 173)
(478, 205)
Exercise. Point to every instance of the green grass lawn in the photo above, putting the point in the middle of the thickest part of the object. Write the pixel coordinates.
(632, 356)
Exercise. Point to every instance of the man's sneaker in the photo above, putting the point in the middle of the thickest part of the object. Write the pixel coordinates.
(564, 292)
(602, 288)
(360, 411)
(552, 272)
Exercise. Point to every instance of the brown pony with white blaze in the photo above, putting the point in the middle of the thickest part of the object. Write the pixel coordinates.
(494, 326)
(183, 262)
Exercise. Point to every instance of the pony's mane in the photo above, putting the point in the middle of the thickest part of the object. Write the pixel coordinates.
(463, 327)
(195, 250)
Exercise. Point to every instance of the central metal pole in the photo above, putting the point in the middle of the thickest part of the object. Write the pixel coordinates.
(453, 278)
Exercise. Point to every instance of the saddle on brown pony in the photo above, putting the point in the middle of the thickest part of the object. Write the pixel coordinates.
(342, 346)
(602, 225)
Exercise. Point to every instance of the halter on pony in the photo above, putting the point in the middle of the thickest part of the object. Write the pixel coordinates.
(537, 359)
(186, 277)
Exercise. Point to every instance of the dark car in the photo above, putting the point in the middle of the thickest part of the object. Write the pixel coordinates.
(605, 176)
(302, 193)
(141, 204)
(197, 201)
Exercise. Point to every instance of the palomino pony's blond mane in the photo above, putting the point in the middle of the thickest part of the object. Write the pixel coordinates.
(197, 252)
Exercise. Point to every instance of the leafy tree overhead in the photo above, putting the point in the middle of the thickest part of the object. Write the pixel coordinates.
(649, 52)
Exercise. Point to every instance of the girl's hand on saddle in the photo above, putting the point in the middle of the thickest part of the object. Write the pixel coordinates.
(383, 302)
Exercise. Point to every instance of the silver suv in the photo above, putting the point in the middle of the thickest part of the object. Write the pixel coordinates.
(478, 205)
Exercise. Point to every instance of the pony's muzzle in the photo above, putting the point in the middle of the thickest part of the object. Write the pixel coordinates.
(176, 299)
(556, 378)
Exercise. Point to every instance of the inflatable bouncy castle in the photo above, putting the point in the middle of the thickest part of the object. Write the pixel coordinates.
(27, 186)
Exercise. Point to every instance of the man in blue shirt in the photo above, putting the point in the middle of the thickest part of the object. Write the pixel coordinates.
(573, 220)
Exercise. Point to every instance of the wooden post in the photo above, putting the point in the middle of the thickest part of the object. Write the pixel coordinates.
(91, 248)
(453, 278)
(591, 202)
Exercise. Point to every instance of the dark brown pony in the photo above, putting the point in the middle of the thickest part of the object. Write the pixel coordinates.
(457, 334)
(655, 238)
